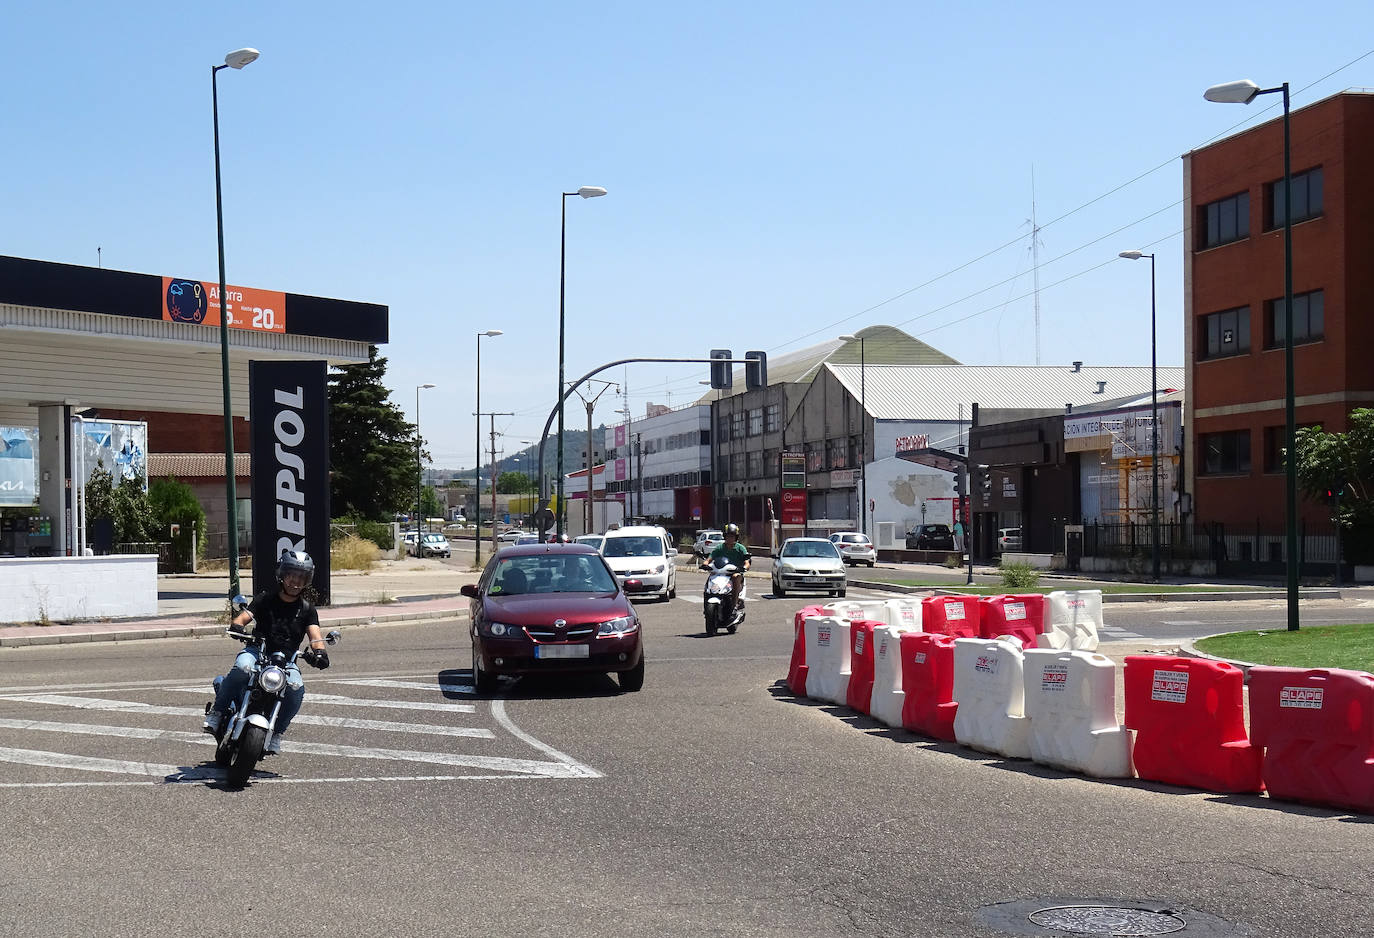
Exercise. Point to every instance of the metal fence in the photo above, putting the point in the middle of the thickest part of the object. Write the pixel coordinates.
(166, 563)
(1236, 550)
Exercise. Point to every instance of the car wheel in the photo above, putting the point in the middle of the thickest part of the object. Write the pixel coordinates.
(778, 590)
(633, 679)
(484, 682)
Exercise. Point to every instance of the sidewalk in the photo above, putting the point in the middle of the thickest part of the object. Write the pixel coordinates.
(194, 604)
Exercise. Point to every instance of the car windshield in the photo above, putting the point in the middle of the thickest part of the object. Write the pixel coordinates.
(808, 549)
(550, 573)
(435, 539)
(634, 546)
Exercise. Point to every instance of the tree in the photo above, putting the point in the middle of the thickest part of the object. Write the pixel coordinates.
(373, 466)
(514, 483)
(429, 503)
(1343, 461)
(174, 502)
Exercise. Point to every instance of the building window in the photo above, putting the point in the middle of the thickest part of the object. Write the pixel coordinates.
(723, 467)
(1226, 453)
(1309, 318)
(815, 457)
(737, 425)
(856, 452)
(1307, 198)
(1225, 220)
(737, 466)
(722, 429)
(771, 421)
(705, 439)
(1225, 333)
(839, 451)
(755, 465)
(756, 421)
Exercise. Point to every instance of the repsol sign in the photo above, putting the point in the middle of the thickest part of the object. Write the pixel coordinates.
(289, 417)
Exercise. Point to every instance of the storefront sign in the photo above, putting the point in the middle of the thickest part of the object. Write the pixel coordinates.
(793, 507)
(192, 301)
(844, 478)
(18, 466)
(906, 444)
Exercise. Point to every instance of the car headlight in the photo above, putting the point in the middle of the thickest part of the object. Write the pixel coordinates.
(502, 630)
(659, 569)
(271, 679)
(618, 626)
(787, 568)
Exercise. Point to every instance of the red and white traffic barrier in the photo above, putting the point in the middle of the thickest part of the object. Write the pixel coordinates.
(1071, 703)
(989, 686)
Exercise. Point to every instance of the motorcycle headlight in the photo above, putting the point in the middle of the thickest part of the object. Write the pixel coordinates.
(501, 630)
(618, 626)
(272, 679)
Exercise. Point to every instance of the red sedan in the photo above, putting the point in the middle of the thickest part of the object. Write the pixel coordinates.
(552, 607)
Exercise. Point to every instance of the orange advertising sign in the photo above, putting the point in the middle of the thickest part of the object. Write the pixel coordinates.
(192, 301)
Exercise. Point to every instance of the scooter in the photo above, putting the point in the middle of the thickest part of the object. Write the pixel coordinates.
(250, 722)
(718, 602)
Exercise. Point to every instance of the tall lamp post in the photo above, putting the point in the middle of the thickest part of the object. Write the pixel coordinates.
(1243, 92)
(863, 436)
(419, 472)
(477, 473)
(587, 192)
(1154, 417)
(236, 59)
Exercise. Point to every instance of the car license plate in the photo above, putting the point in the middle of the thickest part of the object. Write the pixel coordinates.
(814, 579)
(562, 651)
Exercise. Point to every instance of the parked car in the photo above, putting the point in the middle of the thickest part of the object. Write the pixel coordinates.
(408, 539)
(855, 548)
(525, 538)
(537, 610)
(434, 545)
(511, 536)
(808, 563)
(930, 537)
(707, 540)
(643, 559)
(1008, 539)
(591, 540)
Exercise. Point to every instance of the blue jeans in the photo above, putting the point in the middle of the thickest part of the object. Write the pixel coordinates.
(236, 682)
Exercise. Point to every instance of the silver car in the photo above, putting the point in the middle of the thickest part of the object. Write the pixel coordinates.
(855, 548)
(808, 563)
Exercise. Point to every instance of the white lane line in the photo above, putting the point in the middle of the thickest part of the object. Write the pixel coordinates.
(1182, 622)
(213, 774)
(578, 770)
(339, 701)
(307, 719)
(696, 599)
(61, 760)
(560, 769)
(410, 685)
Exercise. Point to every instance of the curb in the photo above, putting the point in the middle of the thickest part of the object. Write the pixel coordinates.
(1190, 650)
(1201, 596)
(197, 631)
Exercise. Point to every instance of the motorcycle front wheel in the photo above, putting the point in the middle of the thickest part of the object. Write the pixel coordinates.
(251, 745)
(711, 623)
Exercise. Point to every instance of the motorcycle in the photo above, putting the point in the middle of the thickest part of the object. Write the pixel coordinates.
(718, 602)
(249, 722)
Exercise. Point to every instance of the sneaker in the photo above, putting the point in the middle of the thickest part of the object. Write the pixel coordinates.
(213, 719)
(273, 747)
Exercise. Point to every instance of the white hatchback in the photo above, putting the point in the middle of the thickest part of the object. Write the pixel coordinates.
(855, 548)
(642, 560)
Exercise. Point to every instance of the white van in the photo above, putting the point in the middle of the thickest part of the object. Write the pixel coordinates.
(643, 559)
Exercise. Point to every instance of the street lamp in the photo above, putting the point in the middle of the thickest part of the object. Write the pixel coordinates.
(418, 470)
(477, 473)
(1243, 92)
(863, 436)
(586, 192)
(236, 59)
(1154, 417)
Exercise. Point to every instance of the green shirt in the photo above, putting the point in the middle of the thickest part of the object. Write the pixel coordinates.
(737, 555)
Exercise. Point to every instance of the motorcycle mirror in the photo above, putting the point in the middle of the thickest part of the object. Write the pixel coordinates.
(333, 638)
(239, 602)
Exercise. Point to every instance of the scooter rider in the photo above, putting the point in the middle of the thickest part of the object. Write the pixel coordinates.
(734, 552)
(282, 619)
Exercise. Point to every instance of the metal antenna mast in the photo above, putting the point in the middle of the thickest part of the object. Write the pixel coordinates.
(1035, 264)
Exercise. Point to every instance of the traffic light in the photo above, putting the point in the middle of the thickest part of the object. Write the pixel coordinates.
(1334, 492)
(985, 481)
(958, 483)
(721, 377)
(755, 371)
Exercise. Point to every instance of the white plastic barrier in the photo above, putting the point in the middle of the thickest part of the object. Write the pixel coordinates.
(888, 696)
(1071, 703)
(857, 609)
(905, 613)
(989, 685)
(827, 658)
(1072, 620)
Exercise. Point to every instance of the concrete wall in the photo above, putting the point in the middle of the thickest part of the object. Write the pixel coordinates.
(64, 588)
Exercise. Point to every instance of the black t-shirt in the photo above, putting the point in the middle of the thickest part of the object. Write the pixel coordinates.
(282, 624)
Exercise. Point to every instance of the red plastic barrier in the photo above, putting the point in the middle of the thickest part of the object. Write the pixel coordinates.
(957, 616)
(1188, 716)
(1020, 615)
(796, 668)
(861, 661)
(928, 683)
(1317, 728)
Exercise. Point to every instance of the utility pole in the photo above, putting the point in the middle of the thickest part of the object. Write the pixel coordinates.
(493, 415)
(588, 514)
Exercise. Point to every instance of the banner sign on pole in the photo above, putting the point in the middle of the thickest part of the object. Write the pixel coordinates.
(289, 418)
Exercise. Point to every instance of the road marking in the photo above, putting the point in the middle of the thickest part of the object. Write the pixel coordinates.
(126, 706)
(83, 763)
(1182, 622)
(697, 599)
(498, 710)
(211, 773)
(339, 701)
(409, 685)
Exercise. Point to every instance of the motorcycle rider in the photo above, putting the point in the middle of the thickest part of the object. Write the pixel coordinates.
(282, 619)
(733, 552)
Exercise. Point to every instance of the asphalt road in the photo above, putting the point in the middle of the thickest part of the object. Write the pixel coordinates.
(710, 803)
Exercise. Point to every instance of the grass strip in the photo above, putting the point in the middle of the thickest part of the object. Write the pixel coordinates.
(1322, 646)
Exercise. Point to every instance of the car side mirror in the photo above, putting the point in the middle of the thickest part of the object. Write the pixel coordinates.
(469, 590)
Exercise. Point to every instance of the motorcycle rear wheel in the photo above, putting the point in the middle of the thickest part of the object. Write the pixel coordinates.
(251, 745)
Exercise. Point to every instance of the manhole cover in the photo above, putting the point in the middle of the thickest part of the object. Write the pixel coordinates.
(1108, 920)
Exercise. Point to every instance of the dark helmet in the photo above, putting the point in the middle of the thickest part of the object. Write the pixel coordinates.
(731, 530)
(295, 561)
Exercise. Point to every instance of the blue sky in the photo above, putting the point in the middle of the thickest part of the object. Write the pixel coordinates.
(775, 170)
